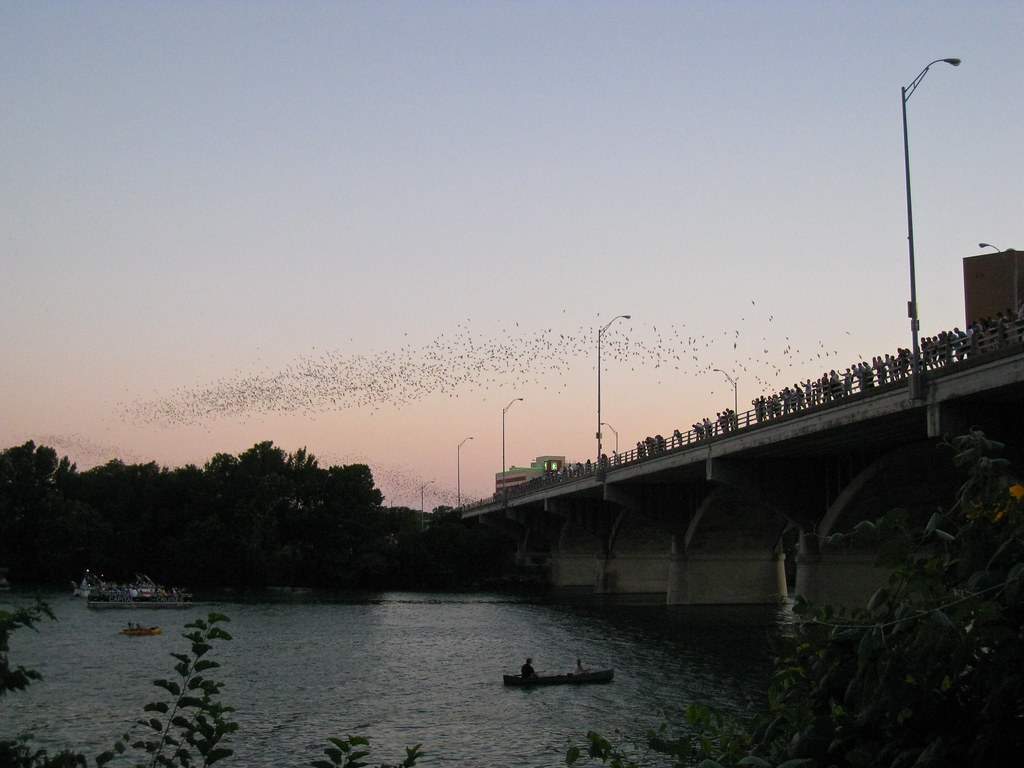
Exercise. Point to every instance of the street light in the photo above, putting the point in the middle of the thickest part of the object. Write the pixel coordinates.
(600, 333)
(504, 410)
(458, 472)
(606, 424)
(735, 396)
(421, 502)
(906, 92)
(989, 245)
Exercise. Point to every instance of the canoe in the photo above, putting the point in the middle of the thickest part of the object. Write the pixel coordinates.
(140, 631)
(598, 676)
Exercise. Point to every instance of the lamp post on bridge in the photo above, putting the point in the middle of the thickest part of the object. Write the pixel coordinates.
(422, 513)
(458, 473)
(600, 333)
(916, 389)
(735, 395)
(504, 410)
(614, 432)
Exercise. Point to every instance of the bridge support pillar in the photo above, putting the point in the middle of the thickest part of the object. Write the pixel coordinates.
(835, 578)
(571, 570)
(945, 418)
(725, 578)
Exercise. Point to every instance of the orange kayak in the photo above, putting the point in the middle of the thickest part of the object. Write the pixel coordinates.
(140, 631)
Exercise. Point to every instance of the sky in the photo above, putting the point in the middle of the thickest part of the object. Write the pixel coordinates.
(365, 228)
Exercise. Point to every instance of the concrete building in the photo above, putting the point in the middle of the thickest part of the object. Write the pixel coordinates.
(993, 283)
(519, 475)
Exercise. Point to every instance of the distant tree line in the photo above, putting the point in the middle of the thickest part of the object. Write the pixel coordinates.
(264, 517)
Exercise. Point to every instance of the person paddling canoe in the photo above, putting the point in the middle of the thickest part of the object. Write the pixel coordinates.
(527, 670)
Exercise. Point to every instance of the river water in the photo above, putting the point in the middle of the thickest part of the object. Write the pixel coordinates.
(399, 668)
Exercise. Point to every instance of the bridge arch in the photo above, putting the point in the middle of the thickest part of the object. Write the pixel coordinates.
(729, 552)
(914, 476)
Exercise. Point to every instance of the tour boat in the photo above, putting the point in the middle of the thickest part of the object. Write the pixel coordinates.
(141, 593)
(597, 676)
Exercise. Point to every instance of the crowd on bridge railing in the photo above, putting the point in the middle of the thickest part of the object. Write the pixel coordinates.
(945, 349)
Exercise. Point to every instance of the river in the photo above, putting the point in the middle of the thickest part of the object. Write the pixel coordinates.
(399, 668)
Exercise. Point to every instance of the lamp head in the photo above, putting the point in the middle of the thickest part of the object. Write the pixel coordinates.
(628, 317)
(954, 62)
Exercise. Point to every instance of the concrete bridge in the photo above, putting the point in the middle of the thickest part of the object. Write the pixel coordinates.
(704, 519)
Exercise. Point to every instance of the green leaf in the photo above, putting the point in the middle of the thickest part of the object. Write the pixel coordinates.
(200, 649)
(218, 754)
(709, 763)
(156, 706)
(323, 764)
(104, 758)
(204, 664)
(572, 755)
(171, 687)
(119, 747)
(878, 599)
(755, 761)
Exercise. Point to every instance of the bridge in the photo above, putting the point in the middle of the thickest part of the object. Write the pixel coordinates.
(737, 512)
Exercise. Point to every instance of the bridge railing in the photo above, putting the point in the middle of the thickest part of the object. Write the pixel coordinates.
(938, 356)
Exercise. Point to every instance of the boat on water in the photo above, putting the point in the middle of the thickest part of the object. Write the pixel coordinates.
(141, 593)
(89, 582)
(597, 676)
(141, 631)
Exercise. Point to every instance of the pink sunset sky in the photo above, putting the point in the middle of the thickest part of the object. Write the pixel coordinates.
(365, 227)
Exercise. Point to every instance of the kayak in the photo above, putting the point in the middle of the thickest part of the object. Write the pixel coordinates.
(140, 631)
(598, 676)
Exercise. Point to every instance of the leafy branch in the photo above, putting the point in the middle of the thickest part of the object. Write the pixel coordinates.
(196, 727)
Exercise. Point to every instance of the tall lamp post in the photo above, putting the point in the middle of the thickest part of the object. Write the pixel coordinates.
(600, 333)
(614, 432)
(458, 473)
(916, 389)
(422, 513)
(504, 410)
(735, 395)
